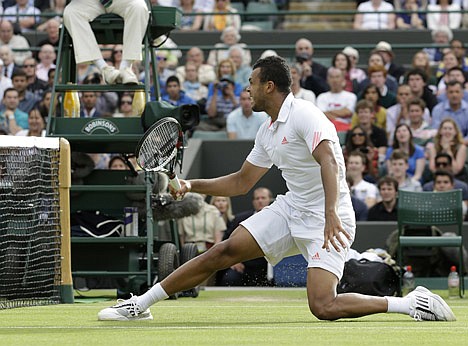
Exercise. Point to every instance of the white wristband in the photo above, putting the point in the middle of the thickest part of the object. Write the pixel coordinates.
(11, 117)
(188, 185)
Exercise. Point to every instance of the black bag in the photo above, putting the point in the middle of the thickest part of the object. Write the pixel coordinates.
(369, 277)
(93, 223)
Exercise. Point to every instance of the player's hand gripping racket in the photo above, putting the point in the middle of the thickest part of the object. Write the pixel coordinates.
(157, 149)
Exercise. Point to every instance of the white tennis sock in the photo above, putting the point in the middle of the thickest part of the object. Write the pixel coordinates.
(100, 63)
(124, 64)
(398, 305)
(154, 295)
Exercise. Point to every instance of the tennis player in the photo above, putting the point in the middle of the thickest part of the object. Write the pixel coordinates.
(314, 218)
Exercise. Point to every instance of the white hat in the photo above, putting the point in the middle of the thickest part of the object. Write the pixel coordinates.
(350, 51)
(267, 53)
(384, 47)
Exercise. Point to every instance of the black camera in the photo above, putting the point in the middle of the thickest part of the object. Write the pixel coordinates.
(364, 150)
(301, 58)
(222, 85)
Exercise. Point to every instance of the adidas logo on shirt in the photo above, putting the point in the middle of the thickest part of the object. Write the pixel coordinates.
(284, 141)
(316, 257)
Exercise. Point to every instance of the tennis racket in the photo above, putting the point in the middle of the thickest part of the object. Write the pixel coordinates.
(158, 148)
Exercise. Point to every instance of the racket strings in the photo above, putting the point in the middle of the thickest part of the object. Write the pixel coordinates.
(159, 147)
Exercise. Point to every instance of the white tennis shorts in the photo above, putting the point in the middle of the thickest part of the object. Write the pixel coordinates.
(282, 231)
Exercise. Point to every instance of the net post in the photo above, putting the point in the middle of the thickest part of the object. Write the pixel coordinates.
(66, 285)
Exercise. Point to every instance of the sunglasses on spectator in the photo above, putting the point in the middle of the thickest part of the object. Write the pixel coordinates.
(29, 66)
(161, 58)
(360, 134)
(126, 102)
(118, 51)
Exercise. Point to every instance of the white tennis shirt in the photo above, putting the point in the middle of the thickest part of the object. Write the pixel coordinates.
(288, 143)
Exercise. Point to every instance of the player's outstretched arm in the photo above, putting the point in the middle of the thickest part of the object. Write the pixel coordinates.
(234, 184)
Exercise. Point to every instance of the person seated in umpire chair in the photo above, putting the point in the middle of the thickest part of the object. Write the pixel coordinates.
(77, 17)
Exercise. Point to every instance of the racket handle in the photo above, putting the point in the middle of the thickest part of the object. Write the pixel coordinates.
(175, 183)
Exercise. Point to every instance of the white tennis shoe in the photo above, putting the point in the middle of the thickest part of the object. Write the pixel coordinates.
(111, 75)
(427, 306)
(125, 310)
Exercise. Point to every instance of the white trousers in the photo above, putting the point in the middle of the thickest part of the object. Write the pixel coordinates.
(79, 13)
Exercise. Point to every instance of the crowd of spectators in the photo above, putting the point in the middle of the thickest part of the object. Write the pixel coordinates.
(394, 121)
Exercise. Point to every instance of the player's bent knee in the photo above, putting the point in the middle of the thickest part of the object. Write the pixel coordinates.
(322, 311)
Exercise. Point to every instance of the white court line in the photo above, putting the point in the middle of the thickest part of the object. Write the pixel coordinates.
(337, 325)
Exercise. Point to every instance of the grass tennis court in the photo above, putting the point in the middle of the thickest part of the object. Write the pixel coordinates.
(225, 317)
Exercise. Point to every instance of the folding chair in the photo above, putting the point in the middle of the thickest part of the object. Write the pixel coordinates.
(416, 209)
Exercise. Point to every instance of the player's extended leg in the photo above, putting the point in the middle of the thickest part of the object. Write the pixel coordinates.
(241, 246)
(325, 304)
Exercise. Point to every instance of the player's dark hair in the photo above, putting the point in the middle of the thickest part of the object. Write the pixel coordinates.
(275, 69)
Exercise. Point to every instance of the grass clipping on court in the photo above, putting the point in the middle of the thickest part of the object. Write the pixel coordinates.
(227, 317)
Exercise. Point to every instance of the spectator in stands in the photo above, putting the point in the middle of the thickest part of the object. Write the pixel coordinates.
(399, 114)
(219, 22)
(243, 70)
(377, 76)
(337, 104)
(219, 105)
(454, 74)
(376, 59)
(106, 103)
(360, 208)
(385, 50)
(458, 49)
(436, 16)
(8, 38)
(387, 208)
(125, 107)
(88, 105)
(5, 82)
(296, 89)
(449, 60)
(449, 140)
(243, 122)
(444, 181)
(361, 189)
(224, 205)
(403, 140)
(253, 272)
(53, 33)
(225, 68)
(46, 61)
(164, 72)
(421, 61)
(36, 125)
(410, 20)
(77, 16)
(12, 118)
(15, 14)
(343, 62)
(206, 72)
(192, 86)
(6, 54)
(357, 139)
(398, 169)
(174, 95)
(44, 104)
(314, 74)
(421, 129)
(365, 113)
(35, 85)
(379, 114)
(356, 74)
(417, 81)
(454, 107)
(441, 36)
(117, 162)
(204, 229)
(443, 161)
(377, 15)
(229, 37)
(27, 100)
(189, 22)
(58, 6)
(116, 56)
